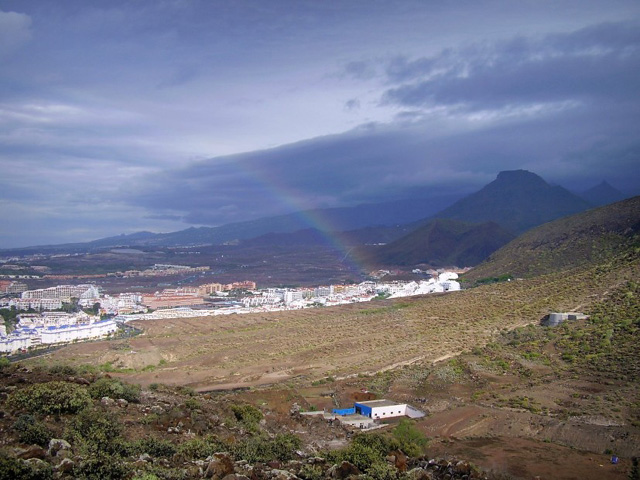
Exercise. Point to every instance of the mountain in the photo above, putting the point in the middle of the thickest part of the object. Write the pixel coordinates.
(602, 194)
(386, 214)
(594, 237)
(516, 200)
(443, 242)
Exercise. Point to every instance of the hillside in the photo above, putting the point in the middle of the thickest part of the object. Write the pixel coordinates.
(516, 200)
(596, 236)
(443, 242)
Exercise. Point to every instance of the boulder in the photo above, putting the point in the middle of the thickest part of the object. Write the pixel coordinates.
(219, 467)
(343, 471)
(33, 451)
(65, 466)
(57, 445)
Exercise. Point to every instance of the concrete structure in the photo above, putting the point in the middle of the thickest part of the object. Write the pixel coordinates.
(363, 414)
(555, 319)
(378, 409)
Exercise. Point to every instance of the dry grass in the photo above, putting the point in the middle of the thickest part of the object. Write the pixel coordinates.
(245, 350)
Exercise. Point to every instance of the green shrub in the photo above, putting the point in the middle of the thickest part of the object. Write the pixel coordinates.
(199, 448)
(192, 403)
(95, 430)
(101, 466)
(4, 362)
(365, 451)
(114, 388)
(15, 469)
(154, 447)
(50, 398)
(412, 441)
(61, 369)
(32, 431)
(247, 414)
(311, 472)
(381, 471)
(261, 449)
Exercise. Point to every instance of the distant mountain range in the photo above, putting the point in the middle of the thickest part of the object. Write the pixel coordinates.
(514, 202)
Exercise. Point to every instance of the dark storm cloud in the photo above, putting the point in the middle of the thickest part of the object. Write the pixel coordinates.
(108, 110)
(596, 62)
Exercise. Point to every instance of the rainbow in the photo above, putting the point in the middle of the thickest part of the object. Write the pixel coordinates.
(294, 202)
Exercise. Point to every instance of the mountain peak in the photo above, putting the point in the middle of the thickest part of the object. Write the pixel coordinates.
(602, 194)
(519, 178)
(517, 200)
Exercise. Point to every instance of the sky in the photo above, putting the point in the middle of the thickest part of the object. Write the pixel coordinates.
(122, 116)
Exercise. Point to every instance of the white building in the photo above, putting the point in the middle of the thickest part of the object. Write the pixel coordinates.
(83, 331)
(380, 409)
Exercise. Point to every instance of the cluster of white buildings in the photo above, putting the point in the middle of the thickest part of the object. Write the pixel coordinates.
(279, 299)
(53, 327)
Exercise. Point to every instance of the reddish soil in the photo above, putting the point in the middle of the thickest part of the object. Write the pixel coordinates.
(522, 458)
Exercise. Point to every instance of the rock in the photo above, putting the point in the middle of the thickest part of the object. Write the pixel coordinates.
(57, 445)
(462, 468)
(157, 409)
(122, 403)
(277, 474)
(107, 402)
(419, 474)
(82, 381)
(342, 471)
(235, 476)
(33, 451)
(36, 463)
(65, 466)
(219, 467)
(274, 464)
(400, 461)
(145, 457)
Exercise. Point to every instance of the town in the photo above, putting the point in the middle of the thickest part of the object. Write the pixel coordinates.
(71, 313)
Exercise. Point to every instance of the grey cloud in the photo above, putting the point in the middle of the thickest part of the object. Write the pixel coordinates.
(15, 30)
(360, 70)
(602, 61)
(353, 104)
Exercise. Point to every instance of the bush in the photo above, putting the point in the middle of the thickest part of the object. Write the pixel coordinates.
(365, 451)
(32, 431)
(114, 388)
(50, 398)
(63, 370)
(14, 469)
(247, 414)
(199, 448)
(311, 472)
(412, 441)
(95, 430)
(4, 362)
(192, 403)
(260, 449)
(101, 466)
(154, 447)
